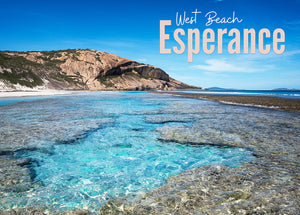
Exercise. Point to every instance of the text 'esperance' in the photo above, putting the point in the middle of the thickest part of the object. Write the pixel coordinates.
(208, 37)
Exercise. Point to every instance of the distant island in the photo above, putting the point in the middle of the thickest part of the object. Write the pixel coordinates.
(80, 69)
(285, 89)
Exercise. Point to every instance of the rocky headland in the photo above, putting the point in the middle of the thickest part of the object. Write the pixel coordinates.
(80, 69)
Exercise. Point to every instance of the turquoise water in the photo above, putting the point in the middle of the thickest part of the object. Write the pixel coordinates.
(8, 100)
(87, 149)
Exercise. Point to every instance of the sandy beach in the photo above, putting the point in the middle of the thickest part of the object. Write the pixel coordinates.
(35, 93)
(286, 104)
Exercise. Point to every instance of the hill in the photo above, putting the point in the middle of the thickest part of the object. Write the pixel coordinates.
(80, 69)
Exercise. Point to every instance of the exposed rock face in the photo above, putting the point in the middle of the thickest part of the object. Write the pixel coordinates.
(81, 69)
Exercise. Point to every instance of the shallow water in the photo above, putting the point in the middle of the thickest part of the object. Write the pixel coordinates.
(87, 149)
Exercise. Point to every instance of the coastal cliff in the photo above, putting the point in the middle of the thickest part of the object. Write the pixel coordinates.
(80, 69)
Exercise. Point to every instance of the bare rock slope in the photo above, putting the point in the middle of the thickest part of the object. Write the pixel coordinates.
(80, 69)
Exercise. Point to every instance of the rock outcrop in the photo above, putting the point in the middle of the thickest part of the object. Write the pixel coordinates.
(80, 69)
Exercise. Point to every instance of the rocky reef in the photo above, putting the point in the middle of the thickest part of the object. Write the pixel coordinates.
(288, 104)
(80, 69)
(267, 185)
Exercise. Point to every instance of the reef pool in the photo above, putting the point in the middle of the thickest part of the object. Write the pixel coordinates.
(79, 151)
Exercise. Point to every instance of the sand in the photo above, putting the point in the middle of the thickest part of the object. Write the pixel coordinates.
(35, 93)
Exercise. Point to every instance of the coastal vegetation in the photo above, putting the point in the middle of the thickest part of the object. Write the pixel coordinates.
(80, 69)
(18, 70)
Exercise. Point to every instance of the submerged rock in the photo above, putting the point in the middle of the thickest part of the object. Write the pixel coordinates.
(219, 190)
(45, 126)
(268, 185)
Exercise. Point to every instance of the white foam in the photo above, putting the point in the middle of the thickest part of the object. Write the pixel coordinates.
(249, 105)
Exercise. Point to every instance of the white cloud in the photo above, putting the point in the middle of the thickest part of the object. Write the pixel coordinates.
(293, 52)
(221, 65)
(271, 56)
(144, 60)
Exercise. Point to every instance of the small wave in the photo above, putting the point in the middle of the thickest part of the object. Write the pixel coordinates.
(249, 105)
(291, 94)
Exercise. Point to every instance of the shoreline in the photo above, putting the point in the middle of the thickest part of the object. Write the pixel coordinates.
(36, 92)
(280, 103)
(15, 94)
(272, 102)
(49, 92)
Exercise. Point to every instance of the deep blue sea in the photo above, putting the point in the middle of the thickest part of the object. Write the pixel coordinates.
(88, 148)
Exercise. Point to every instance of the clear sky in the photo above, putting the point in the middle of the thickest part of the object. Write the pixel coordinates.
(130, 29)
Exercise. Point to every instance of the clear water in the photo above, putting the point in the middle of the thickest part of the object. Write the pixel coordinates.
(90, 148)
(9, 100)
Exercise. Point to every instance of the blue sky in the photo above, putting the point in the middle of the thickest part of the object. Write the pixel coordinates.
(131, 29)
